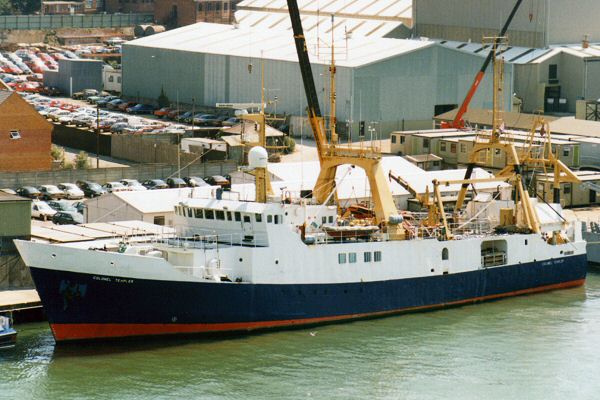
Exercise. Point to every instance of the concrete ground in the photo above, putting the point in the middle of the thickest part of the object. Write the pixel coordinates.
(105, 161)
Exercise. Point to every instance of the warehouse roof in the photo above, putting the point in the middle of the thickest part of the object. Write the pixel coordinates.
(254, 43)
(373, 18)
(525, 55)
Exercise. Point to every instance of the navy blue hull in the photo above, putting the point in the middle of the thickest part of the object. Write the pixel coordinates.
(82, 306)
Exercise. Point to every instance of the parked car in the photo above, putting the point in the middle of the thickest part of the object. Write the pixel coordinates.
(91, 189)
(118, 127)
(79, 206)
(176, 183)
(84, 94)
(152, 184)
(173, 114)
(163, 111)
(29, 191)
(114, 104)
(103, 102)
(185, 117)
(72, 192)
(50, 91)
(141, 109)
(114, 187)
(231, 121)
(125, 105)
(67, 218)
(50, 192)
(61, 205)
(55, 115)
(41, 210)
(8, 191)
(133, 184)
(218, 180)
(195, 181)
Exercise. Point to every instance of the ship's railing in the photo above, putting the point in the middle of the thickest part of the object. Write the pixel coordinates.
(213, 241)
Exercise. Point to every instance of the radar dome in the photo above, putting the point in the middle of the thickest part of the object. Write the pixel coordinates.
(258, 157)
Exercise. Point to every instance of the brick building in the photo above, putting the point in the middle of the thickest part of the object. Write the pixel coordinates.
(130, 6)
(25, 136)
(176, 13)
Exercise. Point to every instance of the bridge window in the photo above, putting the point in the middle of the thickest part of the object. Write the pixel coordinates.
(367, 256)
(209, 214)
(258, 217)
(220, 215)
(246, 218)
(342, 258)
(270, 219)
(229, 217)
(238, 216)
(199, 213)
(276, 219)
(190, 213)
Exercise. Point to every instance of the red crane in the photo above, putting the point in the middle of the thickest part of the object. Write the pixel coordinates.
(458, 122)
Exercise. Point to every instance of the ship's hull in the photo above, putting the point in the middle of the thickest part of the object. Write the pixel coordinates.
(84, 306)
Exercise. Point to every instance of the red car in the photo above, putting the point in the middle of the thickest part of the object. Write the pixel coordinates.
(163, 111)
(127, 105)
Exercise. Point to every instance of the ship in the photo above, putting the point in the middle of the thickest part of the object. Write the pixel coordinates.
(295, 260)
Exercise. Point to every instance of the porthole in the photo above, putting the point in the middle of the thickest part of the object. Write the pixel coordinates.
(241, 259)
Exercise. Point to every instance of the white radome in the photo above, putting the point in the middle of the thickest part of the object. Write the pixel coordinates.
(258, 157)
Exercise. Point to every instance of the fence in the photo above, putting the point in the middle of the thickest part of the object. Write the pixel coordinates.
(39, 22)
(139, 172)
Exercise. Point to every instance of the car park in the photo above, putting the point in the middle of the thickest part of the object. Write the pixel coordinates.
(67, 218)
(41, 210)
(111, 187)
(91, 189)
(50, 192)
(153, 184)
(133, 184)
(195, 181)
(176, 183)
(72, 192)
(29, 191)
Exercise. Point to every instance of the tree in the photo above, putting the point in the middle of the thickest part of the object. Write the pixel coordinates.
(163, 100)
(82, 161)
(26, 6)
(5, 7)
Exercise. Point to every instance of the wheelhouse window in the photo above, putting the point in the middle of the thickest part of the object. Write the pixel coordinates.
(209, 214)
(258, 217)
(342, 258)
(220, 215)
(276, 218)
(229, 216)
(270, 219)
(238, 216)
(367, 256)
(246, 218)
(352, 258)
(190, 213)
(198, 213)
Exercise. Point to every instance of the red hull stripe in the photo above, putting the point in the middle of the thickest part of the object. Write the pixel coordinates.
(65, 332)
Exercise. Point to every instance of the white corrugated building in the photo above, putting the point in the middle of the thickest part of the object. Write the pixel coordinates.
(398, 83)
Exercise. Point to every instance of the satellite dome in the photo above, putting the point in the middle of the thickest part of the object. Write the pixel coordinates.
(258, 157)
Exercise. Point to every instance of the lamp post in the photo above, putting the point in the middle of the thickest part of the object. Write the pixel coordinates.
(97, 136)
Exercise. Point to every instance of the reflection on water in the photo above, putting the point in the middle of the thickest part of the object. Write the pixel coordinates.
(536, 347)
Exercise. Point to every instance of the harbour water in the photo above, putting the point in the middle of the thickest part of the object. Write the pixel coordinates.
(544, 346)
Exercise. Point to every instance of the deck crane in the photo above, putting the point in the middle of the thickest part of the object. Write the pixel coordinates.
(332, 155)
(458, 122)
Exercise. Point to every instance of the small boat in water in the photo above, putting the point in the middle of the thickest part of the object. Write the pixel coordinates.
(8, 335)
